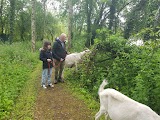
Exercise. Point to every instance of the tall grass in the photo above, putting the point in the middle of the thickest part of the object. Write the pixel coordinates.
(16, 64)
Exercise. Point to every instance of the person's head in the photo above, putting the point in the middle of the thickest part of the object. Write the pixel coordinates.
(47, 45)
(62, 37)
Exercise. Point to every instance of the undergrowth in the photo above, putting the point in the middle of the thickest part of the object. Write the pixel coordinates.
(16, 65)
(130, 69)
(24, 106)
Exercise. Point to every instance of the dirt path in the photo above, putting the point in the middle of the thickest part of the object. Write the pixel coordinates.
(58, 103)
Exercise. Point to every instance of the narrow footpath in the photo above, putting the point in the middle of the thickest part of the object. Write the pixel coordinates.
(59, 103)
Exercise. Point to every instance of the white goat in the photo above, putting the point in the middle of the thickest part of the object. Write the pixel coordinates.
(74, 58)
(117, 106)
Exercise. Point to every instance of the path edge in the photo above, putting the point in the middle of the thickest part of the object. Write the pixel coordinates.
(25, 103)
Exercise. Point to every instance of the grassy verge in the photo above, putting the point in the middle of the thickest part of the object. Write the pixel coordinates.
(24, 107)
(91, 103)
(82, 94)
(17, 62)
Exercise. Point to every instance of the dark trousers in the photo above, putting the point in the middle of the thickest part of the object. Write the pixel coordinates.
(59, 66)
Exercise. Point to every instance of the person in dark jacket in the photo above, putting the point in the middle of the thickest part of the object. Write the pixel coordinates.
(59, 54)
(47, 59)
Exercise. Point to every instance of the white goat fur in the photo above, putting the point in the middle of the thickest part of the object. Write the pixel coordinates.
(74, 58)
(117, 106)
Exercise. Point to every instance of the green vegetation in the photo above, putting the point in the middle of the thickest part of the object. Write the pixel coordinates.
(132, 70)
(16, 65)
(104, 26)
(24, 107)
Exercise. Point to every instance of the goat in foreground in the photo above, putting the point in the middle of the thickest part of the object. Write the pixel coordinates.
(117, 106)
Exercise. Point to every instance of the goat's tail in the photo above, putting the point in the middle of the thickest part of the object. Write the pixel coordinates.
(101, 88)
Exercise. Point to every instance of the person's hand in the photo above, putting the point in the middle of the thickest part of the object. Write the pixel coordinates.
(49, 60)
(61, 59)
(53, 64)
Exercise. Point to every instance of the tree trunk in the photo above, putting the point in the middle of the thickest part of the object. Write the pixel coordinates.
(12, 16)
(112, 15)
(80, 28)
(33, 29)
(22, 28)
(88, 12)
(44, 19)
(70, 16)
(157, 17)
(1, 19)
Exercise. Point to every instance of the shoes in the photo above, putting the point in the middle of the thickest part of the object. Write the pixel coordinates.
(55, 81)
(61, 80)
(50, 85)
(44, 86)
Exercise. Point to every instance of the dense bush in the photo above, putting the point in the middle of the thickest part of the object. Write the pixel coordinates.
(16, 64)
(132, 70)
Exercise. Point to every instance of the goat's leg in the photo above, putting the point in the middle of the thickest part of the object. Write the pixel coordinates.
(98, 115)
(106, 116)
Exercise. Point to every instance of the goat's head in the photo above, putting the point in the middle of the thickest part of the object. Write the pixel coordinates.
(87, 51)
(105, 82)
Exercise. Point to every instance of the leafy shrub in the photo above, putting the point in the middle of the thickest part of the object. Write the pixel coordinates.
(132, 70)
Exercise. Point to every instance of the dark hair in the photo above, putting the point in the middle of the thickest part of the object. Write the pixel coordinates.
(45, 45)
